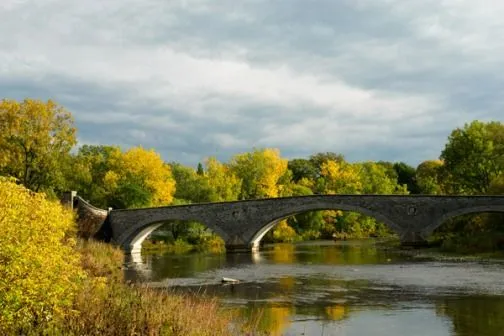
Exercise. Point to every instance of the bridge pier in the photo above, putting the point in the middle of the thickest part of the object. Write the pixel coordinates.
(413, 238)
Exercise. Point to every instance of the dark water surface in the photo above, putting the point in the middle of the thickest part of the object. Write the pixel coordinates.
(347, 288)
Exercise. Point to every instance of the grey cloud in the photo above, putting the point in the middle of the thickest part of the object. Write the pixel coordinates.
(374, 46)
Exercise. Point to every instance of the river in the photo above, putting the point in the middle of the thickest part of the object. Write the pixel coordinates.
(340, 288)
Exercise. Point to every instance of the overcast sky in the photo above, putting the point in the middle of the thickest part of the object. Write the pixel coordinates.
(371, 79)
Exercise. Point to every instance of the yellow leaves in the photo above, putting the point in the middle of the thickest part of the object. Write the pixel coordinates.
(146, 168)
(336, 312)
(223, 183)
(111, 179)
(283, 232)
(39, 269)
(33, 137)
(260, 172)
(341, 177)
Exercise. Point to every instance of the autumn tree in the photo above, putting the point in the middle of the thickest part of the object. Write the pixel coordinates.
(108, 177)
(35, 139)
(341, 177)
(40, 270)
(223, 183)
(259, 171)
(142, 173)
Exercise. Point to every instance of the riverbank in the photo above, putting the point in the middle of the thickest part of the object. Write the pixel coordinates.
(52, 283)
(476, 248)
(109, 306)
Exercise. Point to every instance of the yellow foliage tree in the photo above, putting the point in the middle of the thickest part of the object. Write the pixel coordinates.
(39, 268)
(223, 184)
(142, 171)
(260, 172)
(35, 137)
(341, 178)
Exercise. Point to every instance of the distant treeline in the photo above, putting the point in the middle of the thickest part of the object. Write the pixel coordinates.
(37, 138)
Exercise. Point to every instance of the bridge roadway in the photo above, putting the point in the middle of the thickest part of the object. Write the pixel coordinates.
(242, 224)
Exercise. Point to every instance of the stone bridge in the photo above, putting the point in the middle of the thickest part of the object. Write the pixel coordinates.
(242, 224)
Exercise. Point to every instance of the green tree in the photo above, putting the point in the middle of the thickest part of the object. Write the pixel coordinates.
(303, 169)
(35, 139)
(191, 186)
(86, 173)
(474, 156)
(406, 176)
(375, 179)
(200, 170)
(428, 177)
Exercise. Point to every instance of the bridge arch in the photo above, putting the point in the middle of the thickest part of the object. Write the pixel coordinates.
(459, 212)
(131, 240)
(281, 215)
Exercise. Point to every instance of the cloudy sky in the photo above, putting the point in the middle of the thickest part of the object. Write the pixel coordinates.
(371, 79)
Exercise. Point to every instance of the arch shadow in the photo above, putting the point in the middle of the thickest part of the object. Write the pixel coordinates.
(460, 212)
(259, 234)
(131, 241)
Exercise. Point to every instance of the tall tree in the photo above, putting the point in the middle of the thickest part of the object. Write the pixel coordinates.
(428, 177)
(192, 187)
(474, 156)
(406, 176)
(35, 139)
(341, 178)
(375, 179)
(260, 171)
(223, 184)
(86, 172)
(142, 170)
(303, 169)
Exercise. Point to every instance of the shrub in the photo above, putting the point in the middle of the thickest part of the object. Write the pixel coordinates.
(39, 267)
(284, 233)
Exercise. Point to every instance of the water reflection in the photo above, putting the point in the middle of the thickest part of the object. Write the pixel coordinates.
(349, 288)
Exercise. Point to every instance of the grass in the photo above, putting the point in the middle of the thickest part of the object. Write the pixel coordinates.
(105, 305)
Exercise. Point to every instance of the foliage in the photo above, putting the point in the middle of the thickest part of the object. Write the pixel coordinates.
(429, 177)
(406, 176)
(341, 178)
(223, 184)
(284, 233)
(259, 171)
(35, 138)
(39, 267)
(87, 170)
(376, 180)
(474, 155)
(109, 177)
(192, 187)
(302, 169)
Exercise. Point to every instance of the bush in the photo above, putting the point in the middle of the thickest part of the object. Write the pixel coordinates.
(40, 270)
(284, 233)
